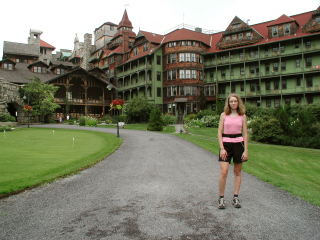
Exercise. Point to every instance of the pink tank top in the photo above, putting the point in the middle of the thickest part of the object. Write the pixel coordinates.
(232, 125)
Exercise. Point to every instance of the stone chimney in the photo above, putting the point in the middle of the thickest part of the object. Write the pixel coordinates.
(86, 51)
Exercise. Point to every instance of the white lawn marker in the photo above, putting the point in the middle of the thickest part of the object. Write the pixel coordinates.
(73, 143)
(4, 132)
(53, 133)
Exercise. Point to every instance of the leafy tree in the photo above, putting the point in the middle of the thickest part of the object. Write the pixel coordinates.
(138, 110)
(203, 101)
(220, 106)
(155, 122)
(41, 97)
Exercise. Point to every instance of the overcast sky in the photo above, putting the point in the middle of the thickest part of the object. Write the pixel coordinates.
(60, 20)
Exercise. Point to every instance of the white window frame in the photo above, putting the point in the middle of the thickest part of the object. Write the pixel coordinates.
(188, 74)
(188, 57)
(275, 31)
(194, 74)
(182, 74)
(181, 57)
(193, 57)
(286, 27)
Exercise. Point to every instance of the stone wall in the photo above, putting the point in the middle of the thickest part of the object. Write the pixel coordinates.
(9, 93)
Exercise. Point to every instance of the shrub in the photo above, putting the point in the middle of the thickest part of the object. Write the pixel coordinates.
(6, 128)
(189, 118)
(106, 118)
(195, 123)
(155, 122)
(82, 121)
(211, 121)
(205, 113)
(266, 130)
(271, 132)
(123, 118)
(168, 119)
(138, 110)
(7, 118)
(71, 122)
(91, 122)
(88, 121)
(254, 111)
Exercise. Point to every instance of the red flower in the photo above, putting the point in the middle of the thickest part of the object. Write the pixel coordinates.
(117, 104)
(27, 108)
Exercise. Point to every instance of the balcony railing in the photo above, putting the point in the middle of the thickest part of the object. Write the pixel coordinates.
(134, 85)
(82, 101)
(286, 91)
(139, 68)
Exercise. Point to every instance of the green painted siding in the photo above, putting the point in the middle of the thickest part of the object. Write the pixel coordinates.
(276, 73)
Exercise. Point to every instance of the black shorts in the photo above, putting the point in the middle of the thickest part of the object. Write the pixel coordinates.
(234, 150)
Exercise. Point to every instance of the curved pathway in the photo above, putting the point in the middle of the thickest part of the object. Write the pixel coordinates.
(155, 186)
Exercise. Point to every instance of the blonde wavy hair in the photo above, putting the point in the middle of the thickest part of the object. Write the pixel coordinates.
(241, 108)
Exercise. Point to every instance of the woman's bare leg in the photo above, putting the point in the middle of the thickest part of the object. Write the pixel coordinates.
(237, 177)
(223, 177)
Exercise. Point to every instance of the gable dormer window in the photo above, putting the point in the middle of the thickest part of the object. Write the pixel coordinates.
(318, 19)
(248, 34)
(228, 38)
(234, 37)
(286, 28)
(60, 71)
(135, 51)
(240, 35)
(8, 66)
(145, 47)
(275, 31)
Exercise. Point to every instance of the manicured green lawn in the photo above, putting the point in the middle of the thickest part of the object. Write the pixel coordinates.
(32, 156)
(296, 170)
(141, 127)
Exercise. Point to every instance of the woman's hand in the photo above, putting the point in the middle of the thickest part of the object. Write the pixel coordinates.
(223, 154)
(244, 156)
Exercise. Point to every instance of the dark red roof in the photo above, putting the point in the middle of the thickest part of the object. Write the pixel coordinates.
(185, 34)
(283, 19)
(150, 51)
(152, 37)
(107, 51)
(46, 45)
(117, 50)
(262, 28)
(125, 22)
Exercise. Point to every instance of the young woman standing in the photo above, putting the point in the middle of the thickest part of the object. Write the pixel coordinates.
(233, 140)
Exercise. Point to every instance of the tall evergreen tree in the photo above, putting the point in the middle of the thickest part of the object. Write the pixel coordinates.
(155, 122)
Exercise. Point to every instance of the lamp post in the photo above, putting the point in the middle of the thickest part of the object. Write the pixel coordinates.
(110, 87)
(28, 104)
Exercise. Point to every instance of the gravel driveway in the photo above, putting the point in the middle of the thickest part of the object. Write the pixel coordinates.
(155, 186)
